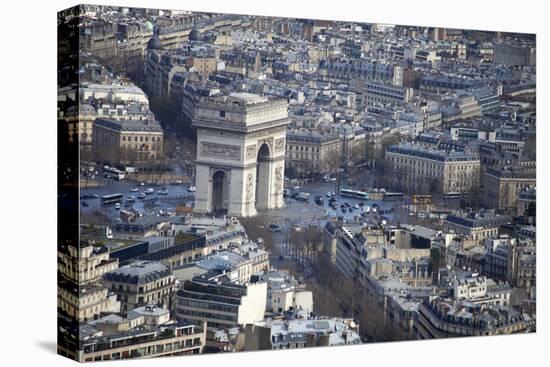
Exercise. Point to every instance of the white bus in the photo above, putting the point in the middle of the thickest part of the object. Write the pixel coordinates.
(113, 172)
(354, 194)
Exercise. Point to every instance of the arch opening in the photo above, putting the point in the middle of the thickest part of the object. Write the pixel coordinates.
(262, 176)
(220, 193)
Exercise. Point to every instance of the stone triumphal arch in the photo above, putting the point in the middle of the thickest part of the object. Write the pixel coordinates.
(240, 154)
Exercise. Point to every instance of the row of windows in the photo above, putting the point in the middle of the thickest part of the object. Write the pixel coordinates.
(151, 297)
(207, 305)
(207, 315)
(150, 350)
(145, 147)
(158, 284)
(301, 148)
(303, 156)
(141, 138)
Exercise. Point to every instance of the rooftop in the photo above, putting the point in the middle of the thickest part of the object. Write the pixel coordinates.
(139, 272)
(431, 153)
(130, 125)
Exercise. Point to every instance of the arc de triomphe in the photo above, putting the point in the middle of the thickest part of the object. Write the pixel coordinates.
(240, 154)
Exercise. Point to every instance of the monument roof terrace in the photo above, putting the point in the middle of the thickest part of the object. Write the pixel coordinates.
(242, 112)
(241, 102)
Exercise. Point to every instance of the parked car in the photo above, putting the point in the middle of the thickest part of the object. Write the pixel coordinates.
(274, 228)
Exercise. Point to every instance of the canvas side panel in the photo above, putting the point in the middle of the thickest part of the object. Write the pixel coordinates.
(67, 183)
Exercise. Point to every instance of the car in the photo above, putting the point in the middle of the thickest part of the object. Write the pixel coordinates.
(141, 195)
(329, 194)
(149, 191)
(344, 210)
(117, 206)
(134, 189)
(191, 188)
(163, 191)
(84, 203)
(93, 196)
(131, 199)
(355, 206)
(274, 228)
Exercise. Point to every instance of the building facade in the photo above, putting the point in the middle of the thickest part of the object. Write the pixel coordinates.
(220, 303)
(415, 168)
(127, 141)
(168, 340)
(502, 187)
(141, 283)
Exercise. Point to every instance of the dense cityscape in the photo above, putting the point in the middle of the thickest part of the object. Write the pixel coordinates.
(235, 183)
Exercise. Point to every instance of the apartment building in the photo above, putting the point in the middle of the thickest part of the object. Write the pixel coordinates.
(439, 317)
(88, 303)
(144, 342)
(213, 299)
(416, 168)
(86, 264)
(127, 141)
(141, 283)
(502, 187)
